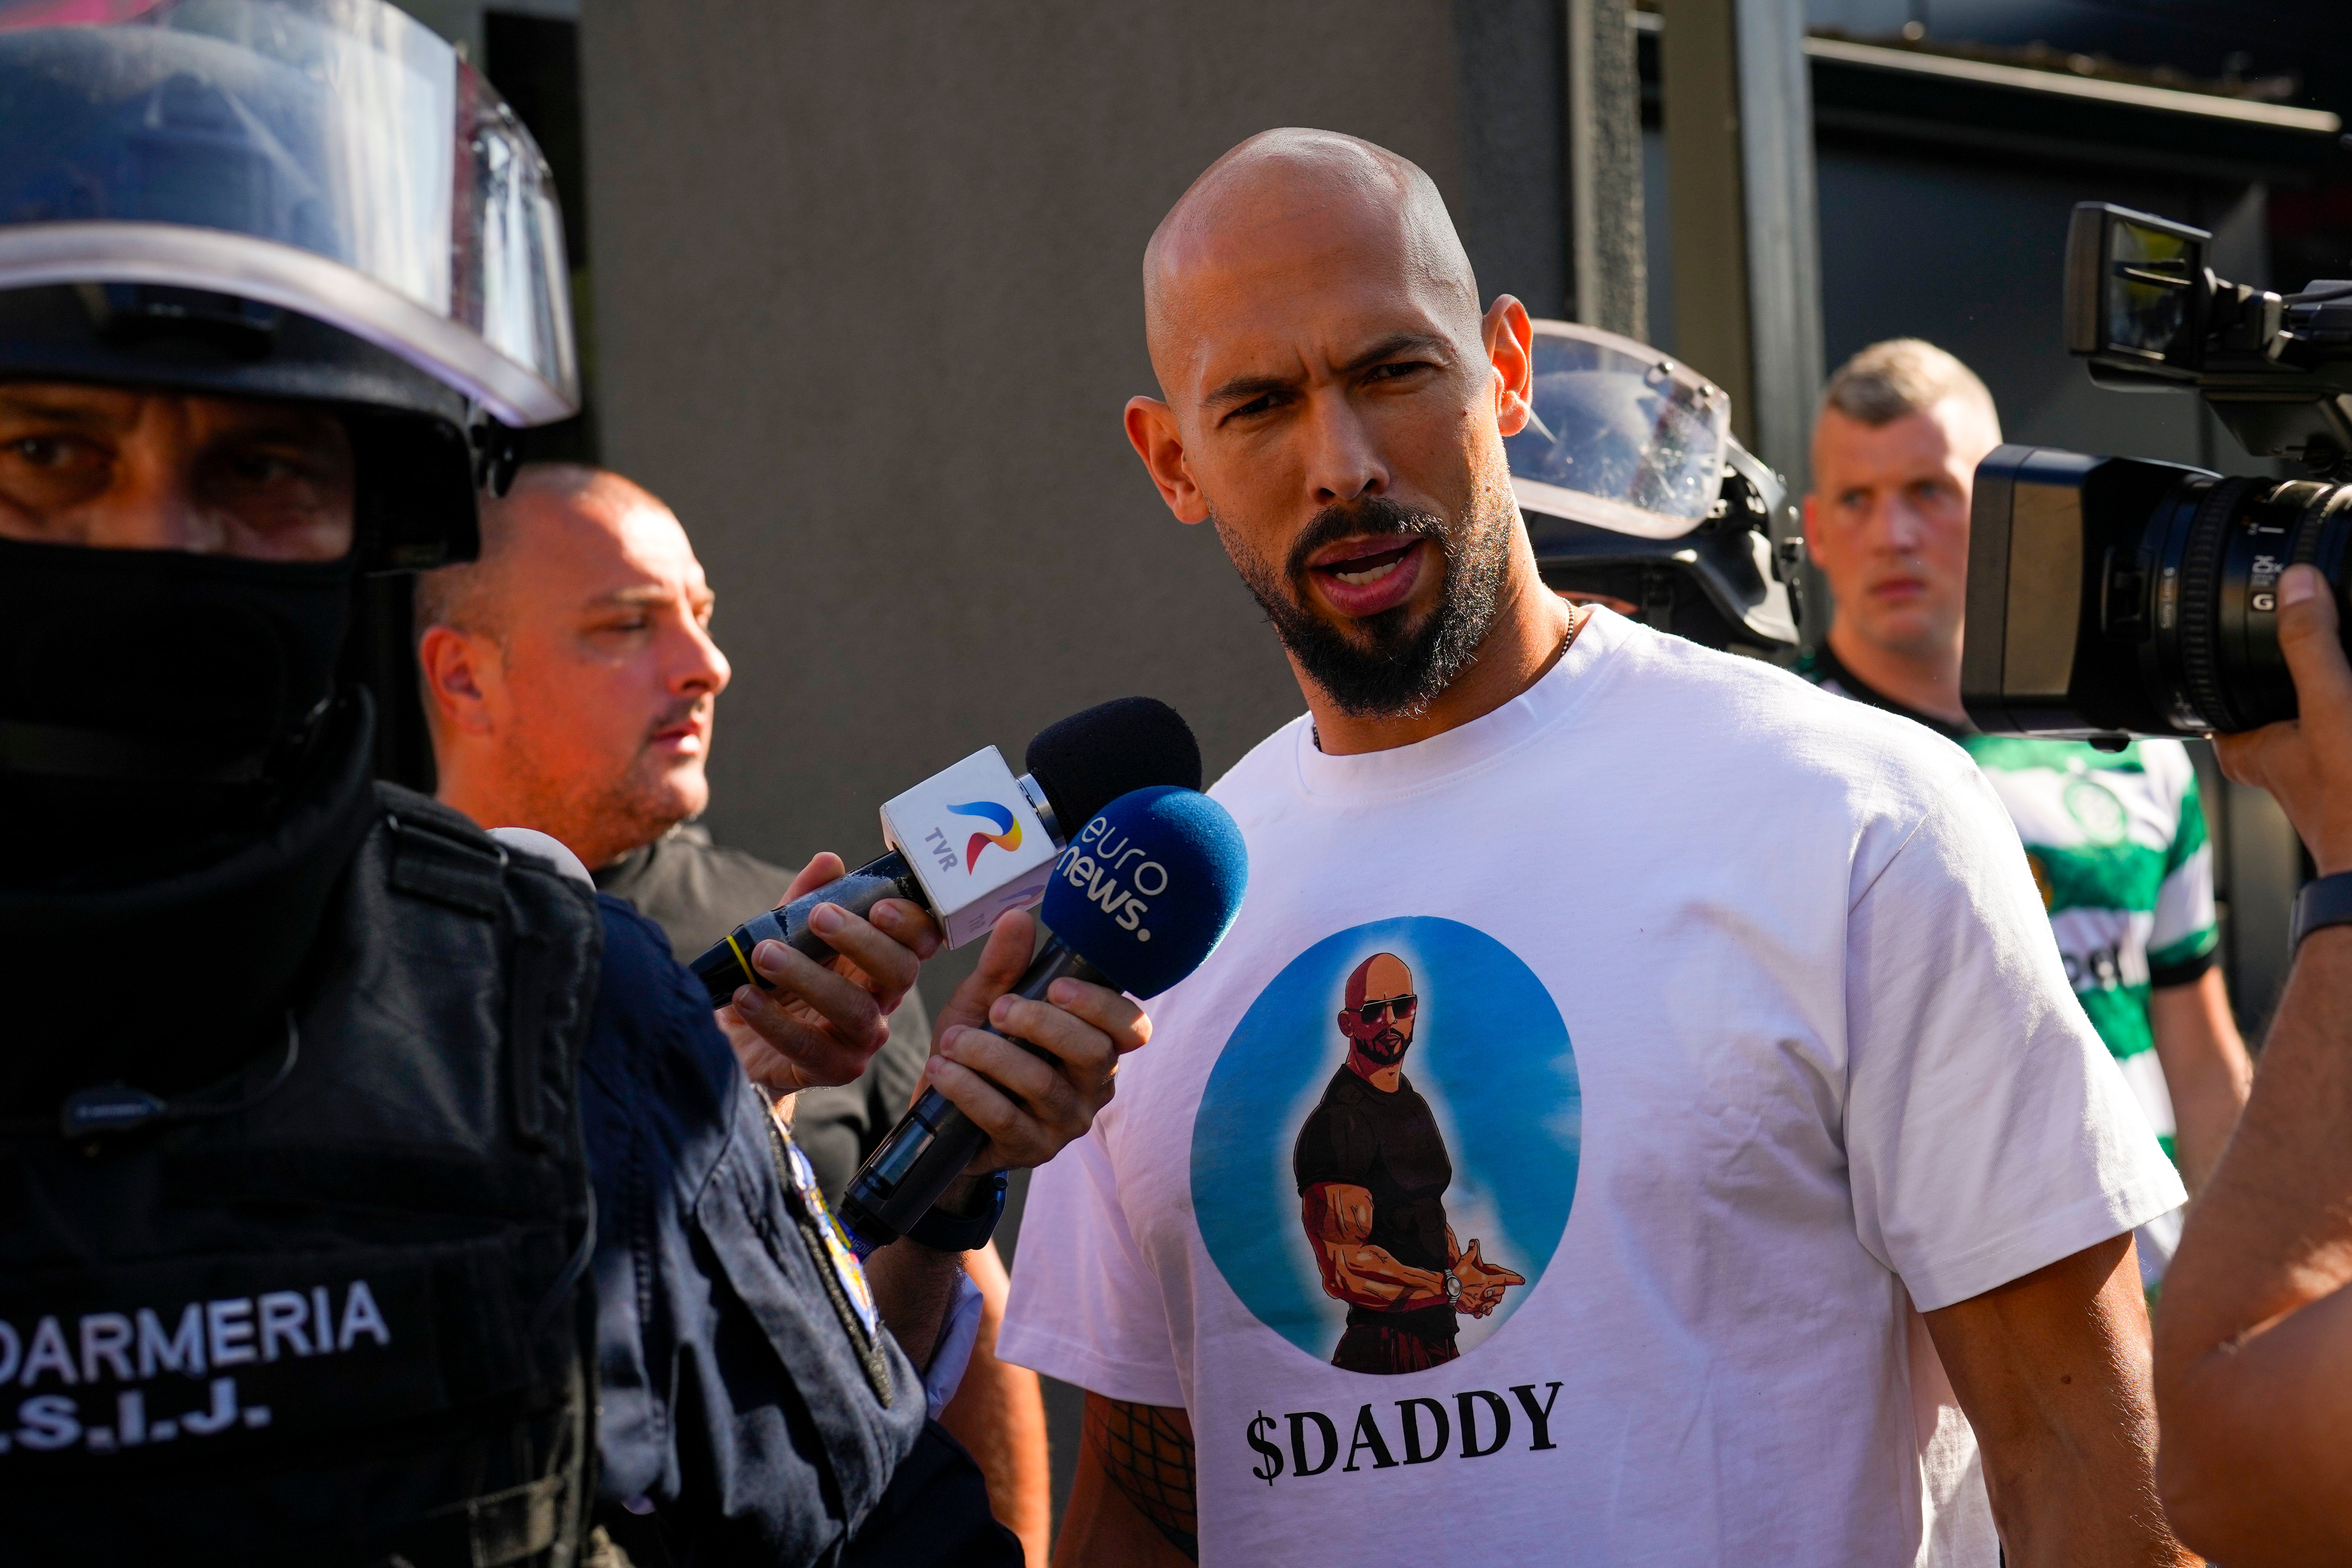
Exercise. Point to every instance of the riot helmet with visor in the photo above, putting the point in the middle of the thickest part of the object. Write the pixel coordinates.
(1635, 490)
(288, 203)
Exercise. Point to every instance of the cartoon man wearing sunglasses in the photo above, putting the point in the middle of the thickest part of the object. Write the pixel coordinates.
(1373, 1173)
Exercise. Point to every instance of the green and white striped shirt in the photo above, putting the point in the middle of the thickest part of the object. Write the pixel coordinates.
(2117, 846)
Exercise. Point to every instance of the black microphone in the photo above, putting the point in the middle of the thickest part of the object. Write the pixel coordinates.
(974, 841)
(1141, 897)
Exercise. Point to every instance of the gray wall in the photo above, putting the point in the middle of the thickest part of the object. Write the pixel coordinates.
(868, 310)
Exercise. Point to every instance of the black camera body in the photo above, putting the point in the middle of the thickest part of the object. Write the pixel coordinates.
(2112, 597)
(2149, 315)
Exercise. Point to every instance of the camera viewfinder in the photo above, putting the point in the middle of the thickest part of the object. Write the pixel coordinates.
(2138, 292)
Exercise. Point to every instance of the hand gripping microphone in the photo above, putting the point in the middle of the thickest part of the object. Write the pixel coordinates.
(972, 842)
(1143, 894)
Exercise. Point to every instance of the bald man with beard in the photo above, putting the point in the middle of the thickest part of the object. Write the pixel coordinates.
(1846, 1274)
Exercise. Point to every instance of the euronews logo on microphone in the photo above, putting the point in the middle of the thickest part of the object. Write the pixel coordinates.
(1097, 860)
(975, 843)
(1149, 887)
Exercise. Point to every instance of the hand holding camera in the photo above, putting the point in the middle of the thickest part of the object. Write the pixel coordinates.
(2306, 762)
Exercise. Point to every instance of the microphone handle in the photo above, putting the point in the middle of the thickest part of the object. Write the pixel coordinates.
(726, 964)
(935, 1141)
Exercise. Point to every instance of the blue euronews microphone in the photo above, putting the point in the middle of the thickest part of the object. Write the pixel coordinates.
(1140, 897)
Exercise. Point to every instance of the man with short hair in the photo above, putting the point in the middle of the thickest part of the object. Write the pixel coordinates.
(2115, 839)
(571, 684)
(1730, 1099)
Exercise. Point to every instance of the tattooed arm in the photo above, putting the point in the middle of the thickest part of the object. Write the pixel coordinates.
(1132, 1502)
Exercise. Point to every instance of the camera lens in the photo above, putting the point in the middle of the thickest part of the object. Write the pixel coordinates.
(2209, 570)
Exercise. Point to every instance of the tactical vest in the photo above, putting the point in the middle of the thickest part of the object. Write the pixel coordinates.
(335, 1311)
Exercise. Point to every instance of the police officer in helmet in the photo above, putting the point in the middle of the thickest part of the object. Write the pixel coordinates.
(369, 1191)
(1637, 495)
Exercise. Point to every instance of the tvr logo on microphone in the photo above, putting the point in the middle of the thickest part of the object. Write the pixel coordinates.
(972, 877)
(1006, 837)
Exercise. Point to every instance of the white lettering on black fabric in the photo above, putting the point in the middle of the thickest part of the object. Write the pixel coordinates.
(230, 1330)
(284, 1314)
(180, 1345)
(181, 1351)
(106, 1337)
(48, 1355)
(361, 1317)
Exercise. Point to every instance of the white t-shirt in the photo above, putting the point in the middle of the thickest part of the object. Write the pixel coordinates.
(1741, 1027)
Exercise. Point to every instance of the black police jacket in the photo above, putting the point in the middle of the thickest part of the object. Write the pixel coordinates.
(333, 1309)
(350, 1320)
(747, 1396)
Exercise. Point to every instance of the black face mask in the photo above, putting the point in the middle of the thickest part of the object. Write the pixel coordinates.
(170, 977)
(154, 704)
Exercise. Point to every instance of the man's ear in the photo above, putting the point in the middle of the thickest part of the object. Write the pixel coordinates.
(459, 671)
(1510, 349)
(1151, 431)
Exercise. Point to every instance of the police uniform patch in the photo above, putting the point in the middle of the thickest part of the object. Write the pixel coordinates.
(845, 1278)
(845, 1266)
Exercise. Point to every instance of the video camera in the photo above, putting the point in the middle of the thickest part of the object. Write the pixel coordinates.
(2112, 597)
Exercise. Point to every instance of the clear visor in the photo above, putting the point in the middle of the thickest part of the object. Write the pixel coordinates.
(330, 157)
(1624, 438)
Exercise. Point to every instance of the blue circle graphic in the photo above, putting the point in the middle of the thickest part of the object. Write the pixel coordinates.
(1490, 1054)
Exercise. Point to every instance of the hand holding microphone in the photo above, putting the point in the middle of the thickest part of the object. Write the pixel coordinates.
(1138, 899)
(973, 841)
(813, 1023)
(1029, 1071)
(804, 989)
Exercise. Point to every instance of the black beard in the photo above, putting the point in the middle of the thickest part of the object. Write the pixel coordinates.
(1384, 667)
(1386, 1048)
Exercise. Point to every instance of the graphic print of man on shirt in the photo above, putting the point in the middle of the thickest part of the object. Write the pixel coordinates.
(1373, 1173)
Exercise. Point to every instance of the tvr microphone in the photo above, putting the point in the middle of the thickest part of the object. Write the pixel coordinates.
(1139, 900)
(974, 841)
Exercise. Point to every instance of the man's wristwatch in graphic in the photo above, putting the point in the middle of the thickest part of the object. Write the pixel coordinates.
(1453, 1288)
(943, 1230)
(2326, 901)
